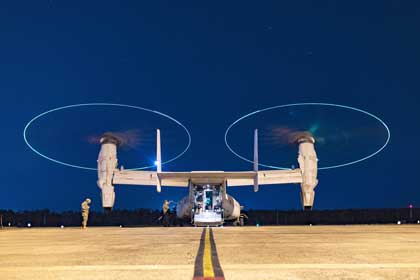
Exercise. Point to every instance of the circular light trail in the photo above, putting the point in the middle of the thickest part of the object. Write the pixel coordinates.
(102, 104)
(308, 104)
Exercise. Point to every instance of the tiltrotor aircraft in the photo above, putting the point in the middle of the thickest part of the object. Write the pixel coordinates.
(207, 202)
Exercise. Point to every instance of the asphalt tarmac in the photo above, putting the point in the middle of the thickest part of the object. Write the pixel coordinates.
(284, 252)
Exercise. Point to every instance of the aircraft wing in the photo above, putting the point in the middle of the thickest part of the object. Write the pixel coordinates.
(149, 178)
(181, 179)
(269, 177)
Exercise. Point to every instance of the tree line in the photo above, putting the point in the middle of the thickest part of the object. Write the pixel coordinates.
(151, 217)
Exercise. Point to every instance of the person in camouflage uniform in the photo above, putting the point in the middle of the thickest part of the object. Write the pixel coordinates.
(165, 213)
(85, 212)
(165, 207)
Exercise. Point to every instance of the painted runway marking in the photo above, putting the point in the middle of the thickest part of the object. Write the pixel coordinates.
(207, 265)
(250, 267)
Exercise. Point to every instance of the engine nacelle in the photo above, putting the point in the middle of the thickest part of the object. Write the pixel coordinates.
(107, 163)
(108, 197)
(231, 208)
(308, 163)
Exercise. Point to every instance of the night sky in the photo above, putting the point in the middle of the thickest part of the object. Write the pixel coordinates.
(207, 64)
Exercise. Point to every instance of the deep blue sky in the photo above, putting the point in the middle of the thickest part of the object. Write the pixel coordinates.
(207, 64)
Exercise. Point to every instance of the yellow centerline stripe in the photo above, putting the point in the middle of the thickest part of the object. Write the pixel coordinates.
(207, 263)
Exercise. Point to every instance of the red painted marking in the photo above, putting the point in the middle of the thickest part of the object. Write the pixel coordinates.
(208, 278)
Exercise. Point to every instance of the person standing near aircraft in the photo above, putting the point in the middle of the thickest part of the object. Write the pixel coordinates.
(165, 207)
(166, 213)
(85, 212)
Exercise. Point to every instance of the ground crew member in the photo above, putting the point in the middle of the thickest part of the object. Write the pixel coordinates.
(165, 213)
(240, 221)
(165, 207)
(85, 212)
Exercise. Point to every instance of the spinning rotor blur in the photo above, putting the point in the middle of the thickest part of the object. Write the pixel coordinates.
(71, 135)
(343, 135)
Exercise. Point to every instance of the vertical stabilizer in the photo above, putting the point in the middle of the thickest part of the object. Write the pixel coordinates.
(256, 160)
(158, 160)
(158, 152)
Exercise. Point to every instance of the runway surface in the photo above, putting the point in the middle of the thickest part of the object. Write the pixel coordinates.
(292, 252)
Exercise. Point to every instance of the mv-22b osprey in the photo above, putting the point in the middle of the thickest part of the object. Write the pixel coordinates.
(208, 202)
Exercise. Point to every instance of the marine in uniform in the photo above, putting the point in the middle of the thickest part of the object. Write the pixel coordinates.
(165, 213)
(85, 212)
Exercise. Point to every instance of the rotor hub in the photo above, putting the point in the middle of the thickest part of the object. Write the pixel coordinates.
(301, 137)
(109, 138)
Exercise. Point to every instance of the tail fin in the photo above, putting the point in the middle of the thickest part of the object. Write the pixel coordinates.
(256, 160)
(158, 160)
